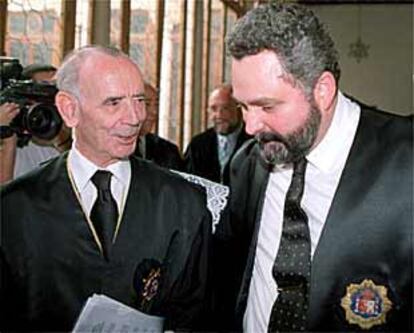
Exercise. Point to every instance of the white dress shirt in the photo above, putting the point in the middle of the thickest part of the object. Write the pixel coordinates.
(82, 170)
(31, 156)
(325, 165)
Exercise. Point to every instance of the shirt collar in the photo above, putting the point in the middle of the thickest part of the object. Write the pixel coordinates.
(339, 136)
(83, 169)
(231, 137)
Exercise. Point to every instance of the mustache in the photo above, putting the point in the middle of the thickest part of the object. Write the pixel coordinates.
(266, 137)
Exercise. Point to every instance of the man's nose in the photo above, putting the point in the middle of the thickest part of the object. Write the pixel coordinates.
(254, 123)
(136, 112)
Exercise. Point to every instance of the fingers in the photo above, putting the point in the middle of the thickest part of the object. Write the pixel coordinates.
(7, 112)
(9, 106)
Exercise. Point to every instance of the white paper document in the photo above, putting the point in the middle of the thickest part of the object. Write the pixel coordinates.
(102, 314)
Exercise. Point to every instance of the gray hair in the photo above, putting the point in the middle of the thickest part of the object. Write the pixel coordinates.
(294, 33)
(67, 76)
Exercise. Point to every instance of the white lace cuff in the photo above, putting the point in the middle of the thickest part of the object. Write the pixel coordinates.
(217, 195)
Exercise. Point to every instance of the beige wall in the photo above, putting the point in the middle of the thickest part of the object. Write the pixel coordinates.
(385, 78)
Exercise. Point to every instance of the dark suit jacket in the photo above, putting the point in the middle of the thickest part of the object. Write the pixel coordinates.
(201, 156)
(50, 263)
(161, 152)
(367, 235)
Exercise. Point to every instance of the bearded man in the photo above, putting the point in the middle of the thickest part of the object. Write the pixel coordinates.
(320, 230)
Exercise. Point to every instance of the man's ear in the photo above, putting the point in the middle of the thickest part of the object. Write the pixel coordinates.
(325, 91)
(68, 108)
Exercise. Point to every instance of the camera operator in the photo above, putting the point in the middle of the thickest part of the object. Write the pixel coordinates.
(15, 160)
(7, 145)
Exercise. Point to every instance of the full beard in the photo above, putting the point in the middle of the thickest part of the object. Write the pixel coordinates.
(278, 149)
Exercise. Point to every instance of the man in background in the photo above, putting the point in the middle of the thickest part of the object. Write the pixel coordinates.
(95, 220)
(39, 72)
(209, 153)
(151, 146)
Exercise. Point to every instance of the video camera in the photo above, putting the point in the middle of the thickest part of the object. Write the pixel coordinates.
(38, 116)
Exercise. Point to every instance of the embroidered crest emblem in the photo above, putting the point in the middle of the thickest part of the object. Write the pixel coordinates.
(147, 283)
(366, 304)
(151, 284)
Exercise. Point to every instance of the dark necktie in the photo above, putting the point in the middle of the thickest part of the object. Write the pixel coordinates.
(104, 214)
(292, 266)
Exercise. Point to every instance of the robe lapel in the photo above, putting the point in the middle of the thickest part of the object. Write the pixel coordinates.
(259, 176)
(348, 212)
(67, 211)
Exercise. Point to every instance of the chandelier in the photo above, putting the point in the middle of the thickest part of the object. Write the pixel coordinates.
(358, 49)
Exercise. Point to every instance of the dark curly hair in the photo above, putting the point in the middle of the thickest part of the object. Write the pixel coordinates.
(294, 33)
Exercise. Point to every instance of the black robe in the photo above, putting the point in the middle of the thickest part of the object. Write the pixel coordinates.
(201, 156)
(161, 152)
(50, 263)
(367, 235)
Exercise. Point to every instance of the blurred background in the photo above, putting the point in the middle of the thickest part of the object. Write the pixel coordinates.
(180, 46)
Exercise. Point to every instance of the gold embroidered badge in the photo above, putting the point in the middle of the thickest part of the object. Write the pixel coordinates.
(366, 304)
(151, 284)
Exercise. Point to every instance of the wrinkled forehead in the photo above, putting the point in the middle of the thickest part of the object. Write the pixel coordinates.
(110, 75)
(255, 74)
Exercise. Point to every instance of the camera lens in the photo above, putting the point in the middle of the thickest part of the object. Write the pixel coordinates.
(43, 121)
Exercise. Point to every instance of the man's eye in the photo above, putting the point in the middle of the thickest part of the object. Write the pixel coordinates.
(267, 108)
(140, 99)
(112, 102)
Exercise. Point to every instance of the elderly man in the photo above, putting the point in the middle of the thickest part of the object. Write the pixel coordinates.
(209, 153)
(320, 235)
(96, 221)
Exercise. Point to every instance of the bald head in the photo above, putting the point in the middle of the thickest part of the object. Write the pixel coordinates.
(68, 74)
(223, 110)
